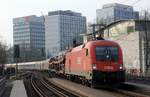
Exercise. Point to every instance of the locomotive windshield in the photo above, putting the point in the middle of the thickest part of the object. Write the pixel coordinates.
(106, 53)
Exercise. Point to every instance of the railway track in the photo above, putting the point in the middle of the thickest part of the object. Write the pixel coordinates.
(5, 87)
(133, 91)
(45, 88)
(2, 85)
(125, 91)
(130, 93)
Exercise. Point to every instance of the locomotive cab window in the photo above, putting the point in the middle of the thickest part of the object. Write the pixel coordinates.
(106, 53)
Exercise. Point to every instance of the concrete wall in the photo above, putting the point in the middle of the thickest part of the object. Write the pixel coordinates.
(130, 47)
(124, 33)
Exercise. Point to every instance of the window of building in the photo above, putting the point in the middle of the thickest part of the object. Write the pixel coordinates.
(130, 29)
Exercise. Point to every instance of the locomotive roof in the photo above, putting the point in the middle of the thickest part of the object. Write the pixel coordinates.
(90, 43)
(102, 42)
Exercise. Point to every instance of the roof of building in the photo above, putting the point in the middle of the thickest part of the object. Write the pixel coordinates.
(64, 12)
(117, 22)
(116, 5)
(125, 20)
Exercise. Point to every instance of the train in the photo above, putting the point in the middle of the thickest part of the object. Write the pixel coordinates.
(35, 65)
(94, 63)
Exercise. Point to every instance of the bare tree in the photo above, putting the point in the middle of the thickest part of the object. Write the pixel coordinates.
(145, 14)
(3, 57)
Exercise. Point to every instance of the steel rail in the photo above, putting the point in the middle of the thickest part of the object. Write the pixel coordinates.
(48, 87)
(116, 90)
(66, 89)
(53, 89)
(38, 91)
(130, 93)
(2, 85)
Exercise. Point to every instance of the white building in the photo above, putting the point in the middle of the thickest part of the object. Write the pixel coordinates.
(61, 28)
(132, 35)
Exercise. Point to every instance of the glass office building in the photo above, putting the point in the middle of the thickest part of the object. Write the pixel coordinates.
(61, 28)
(29, 34)
(114, 12)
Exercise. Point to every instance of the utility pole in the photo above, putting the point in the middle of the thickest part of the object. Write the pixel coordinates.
(43, 51)
(16, 57)
(99, 31)
(146, 42)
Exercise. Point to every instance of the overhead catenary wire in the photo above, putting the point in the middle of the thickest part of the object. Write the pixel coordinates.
(137, 1)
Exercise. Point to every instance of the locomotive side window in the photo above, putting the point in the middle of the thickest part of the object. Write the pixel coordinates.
(114, 53)
(106, 53)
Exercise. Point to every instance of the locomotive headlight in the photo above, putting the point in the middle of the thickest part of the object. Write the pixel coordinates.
(94, 66)
(121, 66)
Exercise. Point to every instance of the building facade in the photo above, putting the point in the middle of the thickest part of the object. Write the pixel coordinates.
(61, 28)
(134, 39)
(29, 34)
(114, 12)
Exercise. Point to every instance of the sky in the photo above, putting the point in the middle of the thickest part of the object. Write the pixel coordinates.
(10, 9)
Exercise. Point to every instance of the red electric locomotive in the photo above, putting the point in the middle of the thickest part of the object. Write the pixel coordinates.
(96, 62)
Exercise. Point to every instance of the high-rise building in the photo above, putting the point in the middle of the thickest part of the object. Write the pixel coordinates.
(61, 28)
(29, 34)
(114, 12)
